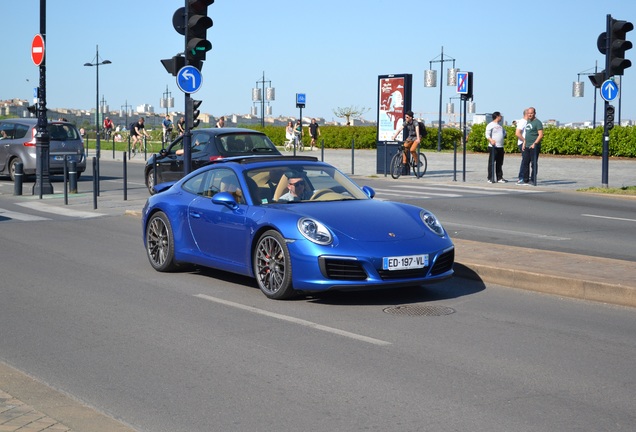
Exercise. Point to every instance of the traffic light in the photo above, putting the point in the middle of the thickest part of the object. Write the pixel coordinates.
(192, 113)
(174, 64)
(469, 88)
(609, 116)
(196, 28)
(597, 79)
(618, 45)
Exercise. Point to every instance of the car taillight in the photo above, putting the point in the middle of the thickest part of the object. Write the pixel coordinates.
(32, 142)
(213, 158)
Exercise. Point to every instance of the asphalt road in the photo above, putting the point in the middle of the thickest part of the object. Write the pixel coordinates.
(205, 351)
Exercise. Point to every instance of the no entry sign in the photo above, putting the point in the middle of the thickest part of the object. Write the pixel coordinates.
(37, 49)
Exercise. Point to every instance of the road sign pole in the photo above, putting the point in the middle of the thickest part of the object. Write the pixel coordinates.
(42, 141)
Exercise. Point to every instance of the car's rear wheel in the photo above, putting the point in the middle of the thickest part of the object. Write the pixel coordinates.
(12, 165)
(160, 243)
(272, 266)
(150, 181)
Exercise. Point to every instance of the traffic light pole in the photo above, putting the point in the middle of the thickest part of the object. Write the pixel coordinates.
(606, 124)
(43, 183)
(187, 138)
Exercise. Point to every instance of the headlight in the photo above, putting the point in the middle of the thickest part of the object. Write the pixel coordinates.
(432, 223)
(314, 231)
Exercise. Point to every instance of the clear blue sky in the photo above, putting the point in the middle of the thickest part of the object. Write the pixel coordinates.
(521, 53)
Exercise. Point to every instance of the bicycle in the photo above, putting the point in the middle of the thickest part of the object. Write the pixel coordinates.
(167, 137)
(397, 164)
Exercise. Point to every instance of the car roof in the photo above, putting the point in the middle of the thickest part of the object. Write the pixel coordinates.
(266, 160)
(224, 131)
(32, 121)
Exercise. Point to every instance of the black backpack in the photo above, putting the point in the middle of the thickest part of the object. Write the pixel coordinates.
(422, 129)
(132, 126)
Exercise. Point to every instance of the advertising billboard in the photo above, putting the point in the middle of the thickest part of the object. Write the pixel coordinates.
(394, 99)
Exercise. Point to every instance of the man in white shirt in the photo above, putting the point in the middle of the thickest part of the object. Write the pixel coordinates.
(495, 134)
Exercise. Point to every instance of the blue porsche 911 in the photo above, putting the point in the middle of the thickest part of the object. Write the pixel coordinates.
(296, 225)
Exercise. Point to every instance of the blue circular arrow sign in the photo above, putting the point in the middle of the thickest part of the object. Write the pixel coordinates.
(189, 79)
(609, 90)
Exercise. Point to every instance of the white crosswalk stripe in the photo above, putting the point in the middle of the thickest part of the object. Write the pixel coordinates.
(62, 211)
(8, 214)
(446, 191)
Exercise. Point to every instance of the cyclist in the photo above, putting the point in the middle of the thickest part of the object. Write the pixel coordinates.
(108, 127)
(167, 128)
(136, 131)
(412, 140)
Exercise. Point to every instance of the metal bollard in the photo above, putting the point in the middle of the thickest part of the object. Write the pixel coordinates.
(125, 179)
(72, 177)
(19, 178)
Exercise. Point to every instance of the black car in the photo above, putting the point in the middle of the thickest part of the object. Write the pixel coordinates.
(207, 145)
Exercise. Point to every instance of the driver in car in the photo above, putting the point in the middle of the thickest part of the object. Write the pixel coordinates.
(297, 188)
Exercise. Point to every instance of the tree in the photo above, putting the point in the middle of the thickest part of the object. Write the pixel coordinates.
(350, 112)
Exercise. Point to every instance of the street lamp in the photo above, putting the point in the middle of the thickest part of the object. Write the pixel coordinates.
(430, 80)
(578, 87)
(97, 64)
(167, 101)
(128, 108)
(258, 96)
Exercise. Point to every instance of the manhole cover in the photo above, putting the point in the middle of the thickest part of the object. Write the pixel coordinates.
(419, 310)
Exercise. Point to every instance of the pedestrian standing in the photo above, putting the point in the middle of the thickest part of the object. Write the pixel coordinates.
(314, 132)
(531, 148)
(520, 132)
(495, 134)
(221, 122)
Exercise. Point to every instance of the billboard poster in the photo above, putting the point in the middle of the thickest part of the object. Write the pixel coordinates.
(394, 99)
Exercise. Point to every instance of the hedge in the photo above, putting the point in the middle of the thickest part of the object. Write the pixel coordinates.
(561, 141)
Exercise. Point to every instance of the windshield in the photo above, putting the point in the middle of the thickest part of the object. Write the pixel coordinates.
(300, 183)
(241, 143)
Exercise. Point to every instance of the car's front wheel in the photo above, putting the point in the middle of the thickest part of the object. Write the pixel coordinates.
(272, 266)
(160, 243)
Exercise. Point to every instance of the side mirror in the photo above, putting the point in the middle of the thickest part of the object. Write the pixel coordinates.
(226, 199)
(368, 190)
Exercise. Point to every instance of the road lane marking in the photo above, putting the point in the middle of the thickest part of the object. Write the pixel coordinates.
(609, 217)
(502, 231)
(20, 216)
(295, 320)
(62, 211)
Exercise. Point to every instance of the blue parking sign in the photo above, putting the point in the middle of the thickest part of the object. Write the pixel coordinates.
(300, 100)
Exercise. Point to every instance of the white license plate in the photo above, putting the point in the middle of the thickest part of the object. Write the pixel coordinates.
(404, 262)
(58, 158)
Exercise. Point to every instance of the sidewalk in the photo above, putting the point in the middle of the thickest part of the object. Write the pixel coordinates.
(29, 406)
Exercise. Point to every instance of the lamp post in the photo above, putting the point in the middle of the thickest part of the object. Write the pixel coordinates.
(125, 108)
(167, 101)
(258, 96)
(97, 142)
(430, 80)
(578, 87)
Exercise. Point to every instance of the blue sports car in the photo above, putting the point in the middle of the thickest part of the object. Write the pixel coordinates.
(295, 224)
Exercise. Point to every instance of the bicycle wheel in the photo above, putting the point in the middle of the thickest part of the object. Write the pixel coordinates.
(422, 169)
(396, 166)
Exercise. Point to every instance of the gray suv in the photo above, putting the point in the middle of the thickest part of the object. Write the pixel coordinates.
(17, 144)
